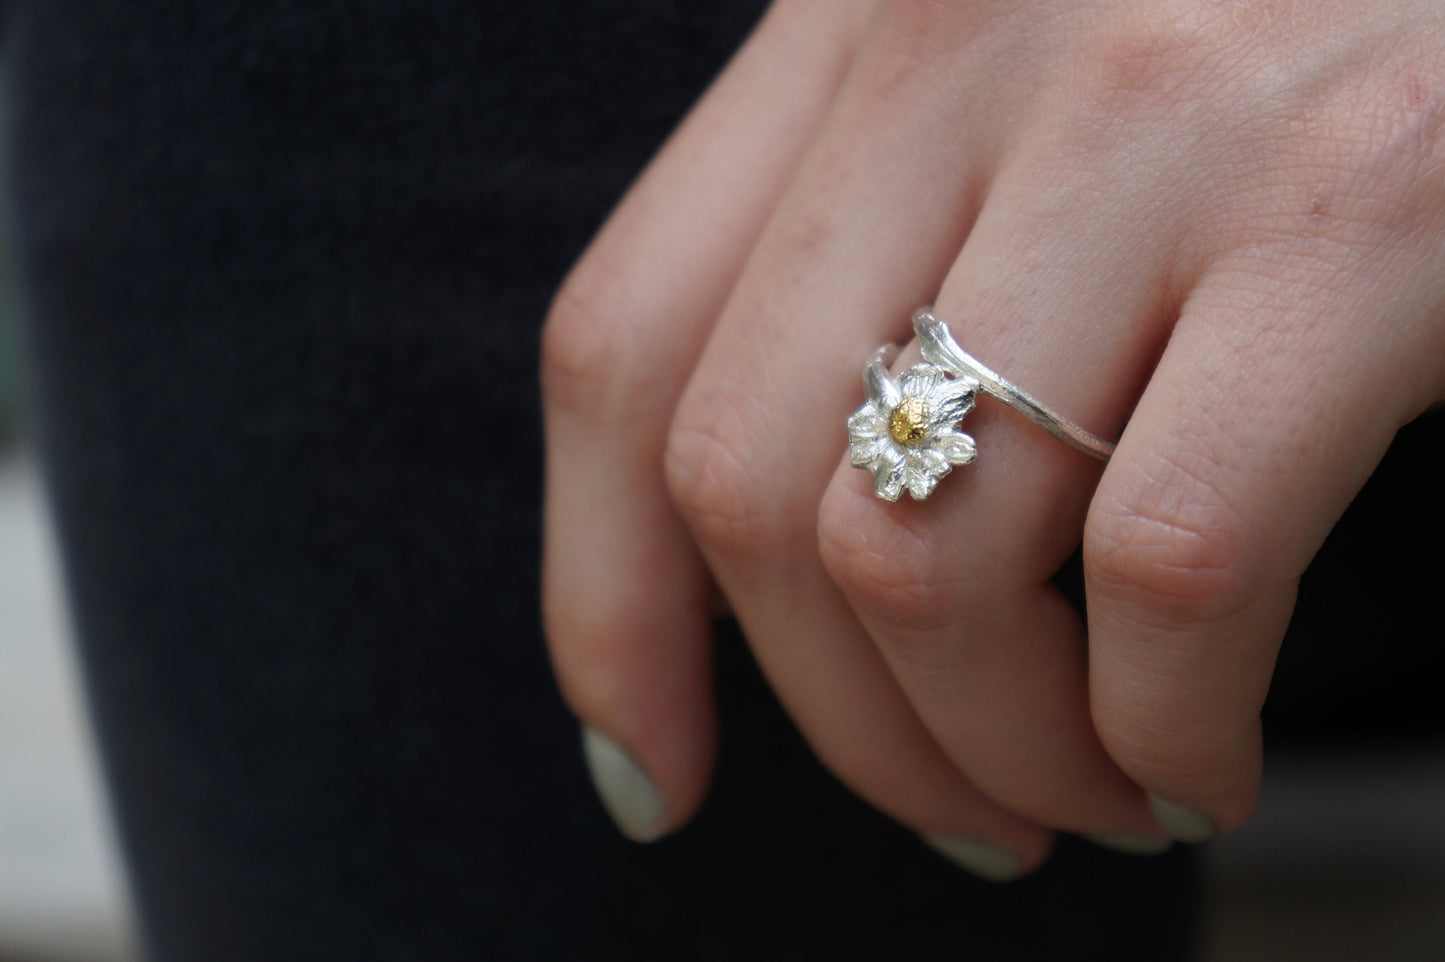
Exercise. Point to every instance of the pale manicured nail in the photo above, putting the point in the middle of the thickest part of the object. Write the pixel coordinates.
(1185, 825)
(627, 793)
(1133, 844)
(980, 858)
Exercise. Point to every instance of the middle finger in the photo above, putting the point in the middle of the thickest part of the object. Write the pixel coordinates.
(958, 591)
(877, 209)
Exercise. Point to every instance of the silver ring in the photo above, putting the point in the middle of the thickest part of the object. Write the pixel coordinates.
(907, 434)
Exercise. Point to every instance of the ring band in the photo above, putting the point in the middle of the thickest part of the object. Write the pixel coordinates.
(906, 432)
(938, 346)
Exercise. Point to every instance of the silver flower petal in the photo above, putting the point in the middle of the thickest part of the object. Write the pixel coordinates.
(920, 381)
(890, 475)
(927, 461)
(883, 392)
(864, 451)
(956, 446)
(951, 401)
(920, 486)
(924, 444)
(867, 424)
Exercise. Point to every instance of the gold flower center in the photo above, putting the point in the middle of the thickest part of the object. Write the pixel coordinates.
(908, 424)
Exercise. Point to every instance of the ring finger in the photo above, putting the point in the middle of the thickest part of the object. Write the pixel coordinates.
(957, 591)
(873, 216)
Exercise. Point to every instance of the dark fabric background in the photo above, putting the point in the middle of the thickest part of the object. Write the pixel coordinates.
(285, 263)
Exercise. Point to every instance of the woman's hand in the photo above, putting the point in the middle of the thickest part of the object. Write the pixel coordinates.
(1222, 223)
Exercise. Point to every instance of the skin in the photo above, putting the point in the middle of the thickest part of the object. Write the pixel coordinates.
(1213, 230)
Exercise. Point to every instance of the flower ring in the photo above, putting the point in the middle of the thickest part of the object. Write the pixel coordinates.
(905, 433)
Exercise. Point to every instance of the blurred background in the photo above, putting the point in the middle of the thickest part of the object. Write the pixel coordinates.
(1345, 859)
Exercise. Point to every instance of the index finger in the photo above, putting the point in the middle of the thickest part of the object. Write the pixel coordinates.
(625, 593)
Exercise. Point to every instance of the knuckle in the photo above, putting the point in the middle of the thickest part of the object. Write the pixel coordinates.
(1374, 159)
(1350, 149)
(914, 26)
(1167, 543)
(910, 40)
(883, 569)
(807, 11)
(1156, 57)
(893, 60)
(586, 347)
(715, 483)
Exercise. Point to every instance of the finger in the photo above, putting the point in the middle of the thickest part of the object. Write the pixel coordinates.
(1280, 390)
(626, 598)
(877, 209)
(958, 590)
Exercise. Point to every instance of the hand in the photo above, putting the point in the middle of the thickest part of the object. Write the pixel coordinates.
(1218, 223)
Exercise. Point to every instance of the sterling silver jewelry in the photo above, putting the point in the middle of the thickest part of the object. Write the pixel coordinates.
(906, 432)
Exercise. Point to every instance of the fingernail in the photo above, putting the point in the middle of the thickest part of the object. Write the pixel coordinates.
(980, 858)
(1185, 825)
(626, 792)
(1133, 844)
